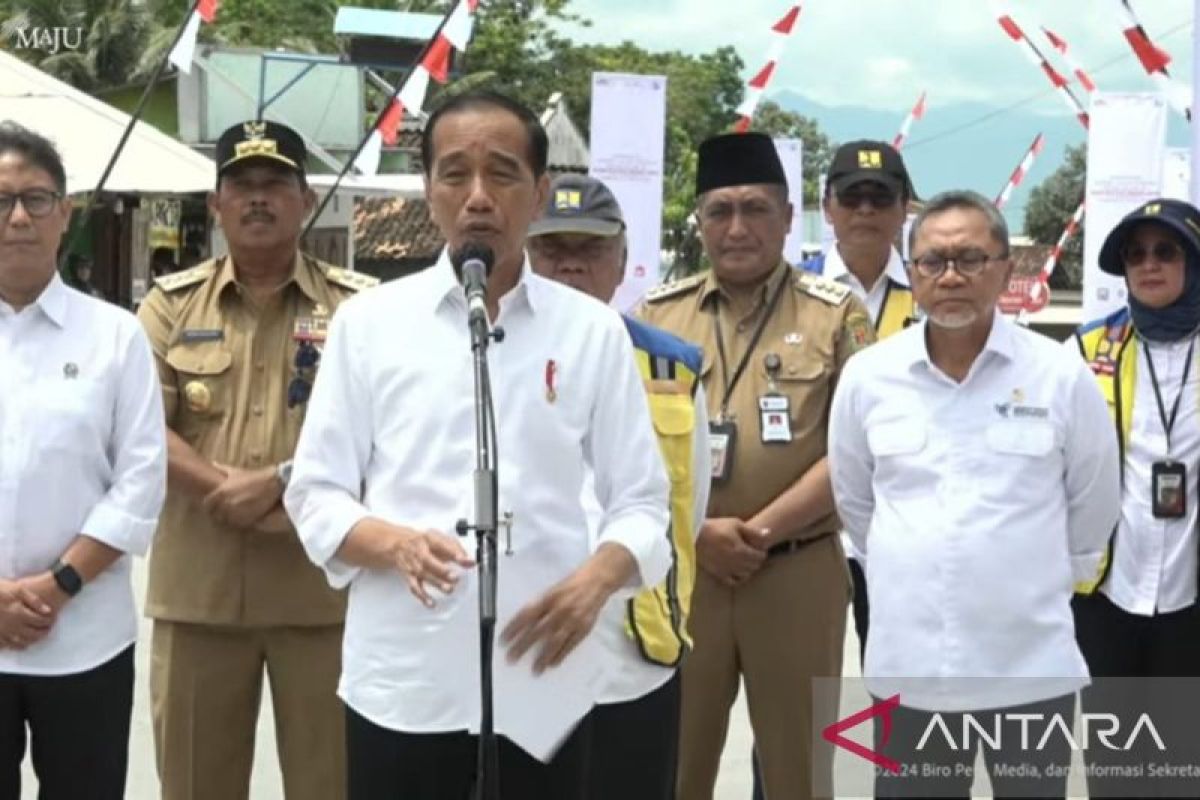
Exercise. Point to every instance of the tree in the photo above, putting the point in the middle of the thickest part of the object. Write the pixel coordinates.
(818, 149)
(1051, 204)
(112, 34)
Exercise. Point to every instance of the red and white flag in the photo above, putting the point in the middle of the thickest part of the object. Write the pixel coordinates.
(184, 50)
(1060, 44)
(1020, 172)
(1154, 60)
(435, 65)
(1031, 51)
(757, 85)
(918, 111)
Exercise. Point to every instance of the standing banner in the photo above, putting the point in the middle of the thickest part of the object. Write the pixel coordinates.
(791, 154)
(828, 238)
(1177, 173)
(1126, 147)
(628, 156)
(1195, 177)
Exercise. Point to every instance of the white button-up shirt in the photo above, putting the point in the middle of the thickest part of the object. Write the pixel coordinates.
(835, 269)
(82, 450)
(977, 504)
(390, 433)
(873, 297)
(634, 676)
(1154, 560)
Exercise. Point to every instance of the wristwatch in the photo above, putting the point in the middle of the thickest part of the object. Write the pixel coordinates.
(283, 471)
(66, 577)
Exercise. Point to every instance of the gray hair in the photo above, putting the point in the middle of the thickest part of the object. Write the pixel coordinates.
(970, 201)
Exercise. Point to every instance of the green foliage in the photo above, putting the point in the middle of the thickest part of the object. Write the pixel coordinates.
(1051, 204)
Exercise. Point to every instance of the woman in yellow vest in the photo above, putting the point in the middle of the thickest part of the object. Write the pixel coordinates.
(1139, 617)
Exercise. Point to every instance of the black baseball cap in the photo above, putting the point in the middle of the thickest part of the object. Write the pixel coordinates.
(261, 140)
(869, 160)
(1182, 218)
(579, 204)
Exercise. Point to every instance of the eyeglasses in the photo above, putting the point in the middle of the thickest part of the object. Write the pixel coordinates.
(969, 264)
(878, 199)
(1163, 252)
(36, 202)
(305, 364)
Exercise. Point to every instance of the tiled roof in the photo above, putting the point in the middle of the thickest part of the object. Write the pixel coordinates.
(392, 228)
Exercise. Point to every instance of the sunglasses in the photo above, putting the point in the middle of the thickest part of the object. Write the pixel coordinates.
(305, 365)
(1163, 253)
(878, 199)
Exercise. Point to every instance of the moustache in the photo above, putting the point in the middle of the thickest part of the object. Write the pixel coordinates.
(258, 215)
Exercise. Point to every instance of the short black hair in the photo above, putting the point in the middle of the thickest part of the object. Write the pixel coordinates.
(965, 200)
(539, 142)
(34, 148)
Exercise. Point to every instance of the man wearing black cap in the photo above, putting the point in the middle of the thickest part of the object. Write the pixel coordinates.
(867, 190)
(580, 241)
(770, 598)
(238, 340)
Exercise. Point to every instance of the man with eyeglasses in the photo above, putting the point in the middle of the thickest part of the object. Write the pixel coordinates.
(82, 478)
(974, 465)
(238, 341)
(771, 591)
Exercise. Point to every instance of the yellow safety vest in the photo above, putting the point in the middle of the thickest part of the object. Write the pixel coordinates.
(656, 618)
(1103, 345)
(899, 309)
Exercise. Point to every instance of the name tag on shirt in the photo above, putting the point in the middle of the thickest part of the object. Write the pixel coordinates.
(201, 335)
(722, 439)
(775, 419)
(1168, 489)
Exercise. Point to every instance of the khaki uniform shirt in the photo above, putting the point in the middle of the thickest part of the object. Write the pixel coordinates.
(225, 364)
(814, 327)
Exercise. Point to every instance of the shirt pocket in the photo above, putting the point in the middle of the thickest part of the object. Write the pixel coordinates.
(896, 439)
(674, 422)
(805, 382)
(202, 377)
(71, 415)
(1029, 439)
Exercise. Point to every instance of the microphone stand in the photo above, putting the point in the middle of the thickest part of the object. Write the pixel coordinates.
(487, 777)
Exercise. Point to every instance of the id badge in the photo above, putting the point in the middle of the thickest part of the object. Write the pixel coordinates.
(1168, 489)
(775, 419)
(722, 439)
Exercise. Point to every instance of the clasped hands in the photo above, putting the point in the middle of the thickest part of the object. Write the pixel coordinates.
(29, 608)
(249, 499)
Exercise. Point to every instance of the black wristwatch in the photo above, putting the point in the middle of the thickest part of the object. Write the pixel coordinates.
(66, 577)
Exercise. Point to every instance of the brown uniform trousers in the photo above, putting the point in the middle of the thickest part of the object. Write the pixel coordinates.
(786, 624)
(227, 602)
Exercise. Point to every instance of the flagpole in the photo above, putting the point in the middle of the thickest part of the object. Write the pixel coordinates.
(379, 117)
(93, 202)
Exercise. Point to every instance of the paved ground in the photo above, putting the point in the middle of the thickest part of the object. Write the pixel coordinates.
(733, 784)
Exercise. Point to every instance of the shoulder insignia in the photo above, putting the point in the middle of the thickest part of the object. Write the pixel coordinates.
(348, 278)
(675, 288)
(188, 277)
(824, 289)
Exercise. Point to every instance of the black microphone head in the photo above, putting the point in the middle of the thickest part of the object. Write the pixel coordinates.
(473, 251)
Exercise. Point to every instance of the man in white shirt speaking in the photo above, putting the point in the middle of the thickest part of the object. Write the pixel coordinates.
(384, 468)
(974, 465)
(82, 478)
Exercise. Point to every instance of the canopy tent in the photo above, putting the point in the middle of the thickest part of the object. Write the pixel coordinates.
(86, 132)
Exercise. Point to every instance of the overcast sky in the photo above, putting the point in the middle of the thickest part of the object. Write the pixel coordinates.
(882, 53)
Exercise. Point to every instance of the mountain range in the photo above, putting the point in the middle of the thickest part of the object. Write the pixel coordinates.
(963, 145)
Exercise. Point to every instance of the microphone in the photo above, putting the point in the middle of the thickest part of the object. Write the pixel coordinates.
(474, 262)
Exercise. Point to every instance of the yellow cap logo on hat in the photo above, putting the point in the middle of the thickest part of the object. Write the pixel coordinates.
(870, 159)
(1152, 208)
(567, 200)
(254, 130)
(258, 147)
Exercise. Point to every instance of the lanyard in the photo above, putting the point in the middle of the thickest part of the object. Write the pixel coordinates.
(731, 381)
(1169, 422)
